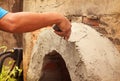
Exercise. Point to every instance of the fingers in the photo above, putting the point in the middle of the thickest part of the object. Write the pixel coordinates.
(59, 33)
(63, 28)
(64, 34)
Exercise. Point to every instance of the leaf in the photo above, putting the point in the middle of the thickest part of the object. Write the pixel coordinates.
(3, 47)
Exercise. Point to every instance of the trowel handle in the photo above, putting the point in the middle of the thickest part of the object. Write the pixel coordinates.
(56, 28)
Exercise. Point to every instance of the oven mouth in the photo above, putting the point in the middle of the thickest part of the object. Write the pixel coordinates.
(54, 68)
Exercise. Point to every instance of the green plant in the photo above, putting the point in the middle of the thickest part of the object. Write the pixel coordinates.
(4, 48)
(7, 75)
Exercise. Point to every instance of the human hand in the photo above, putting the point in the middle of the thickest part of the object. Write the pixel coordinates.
(63, 29)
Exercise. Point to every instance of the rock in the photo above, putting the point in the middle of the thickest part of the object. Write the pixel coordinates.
(88, 55)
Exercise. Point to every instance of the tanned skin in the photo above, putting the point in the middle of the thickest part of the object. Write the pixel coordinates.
(21, 22)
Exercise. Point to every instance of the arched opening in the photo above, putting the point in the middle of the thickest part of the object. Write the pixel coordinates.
(54, 68)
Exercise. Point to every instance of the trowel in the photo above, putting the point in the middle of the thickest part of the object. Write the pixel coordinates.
(78, 31)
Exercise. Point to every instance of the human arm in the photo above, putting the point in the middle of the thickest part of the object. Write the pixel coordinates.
(29, 21)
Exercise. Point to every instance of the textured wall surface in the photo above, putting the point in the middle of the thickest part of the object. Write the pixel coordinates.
(73, 7)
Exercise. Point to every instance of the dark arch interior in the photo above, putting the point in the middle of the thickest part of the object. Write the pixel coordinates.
(54, 68)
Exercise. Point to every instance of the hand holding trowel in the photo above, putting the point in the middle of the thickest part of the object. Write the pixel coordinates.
(63, 32)
(76, 33)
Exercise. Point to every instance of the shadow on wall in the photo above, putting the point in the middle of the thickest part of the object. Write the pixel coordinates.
(54, 68)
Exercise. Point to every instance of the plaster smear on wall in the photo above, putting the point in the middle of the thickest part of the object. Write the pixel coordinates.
(89, 56)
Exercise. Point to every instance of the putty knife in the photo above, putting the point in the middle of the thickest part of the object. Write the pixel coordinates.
(78, 31)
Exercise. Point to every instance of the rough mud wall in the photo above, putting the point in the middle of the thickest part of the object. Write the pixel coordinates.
(73, 7)
(8, 39)
(106, 10)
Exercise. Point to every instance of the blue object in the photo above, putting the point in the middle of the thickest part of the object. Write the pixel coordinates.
(2, 12)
